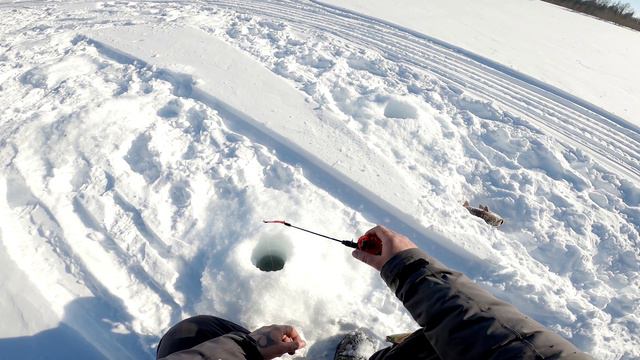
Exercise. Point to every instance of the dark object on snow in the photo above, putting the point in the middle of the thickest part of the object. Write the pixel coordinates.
(396, 339)
(356, 345)
(483, 212)
(458, 320)
(270, 263)
(207, 337)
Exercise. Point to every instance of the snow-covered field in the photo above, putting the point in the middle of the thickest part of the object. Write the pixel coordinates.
(582, 56)
(142, 143)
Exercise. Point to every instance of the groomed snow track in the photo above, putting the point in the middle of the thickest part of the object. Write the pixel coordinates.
(573, 122)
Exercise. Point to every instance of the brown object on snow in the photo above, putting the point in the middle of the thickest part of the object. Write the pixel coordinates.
(483, 212)
(397, 338)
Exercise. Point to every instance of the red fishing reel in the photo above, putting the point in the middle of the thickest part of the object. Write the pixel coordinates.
(370, 243)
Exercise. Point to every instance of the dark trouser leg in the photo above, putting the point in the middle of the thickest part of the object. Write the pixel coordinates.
(416, 346)
(194, 331)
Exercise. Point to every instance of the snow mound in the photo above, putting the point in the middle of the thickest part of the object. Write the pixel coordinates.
(400, 109)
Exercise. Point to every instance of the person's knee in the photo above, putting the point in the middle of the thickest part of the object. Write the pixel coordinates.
(207, 325)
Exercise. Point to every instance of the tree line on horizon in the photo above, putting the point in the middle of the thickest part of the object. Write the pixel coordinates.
(617, 12)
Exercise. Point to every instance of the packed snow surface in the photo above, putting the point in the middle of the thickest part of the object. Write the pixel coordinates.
(576, 53)
(142, 143)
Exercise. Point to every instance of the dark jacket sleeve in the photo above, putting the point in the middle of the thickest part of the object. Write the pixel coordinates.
(463, 321)
(232, 346)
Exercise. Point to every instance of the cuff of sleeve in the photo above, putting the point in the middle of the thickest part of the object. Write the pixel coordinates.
(398, 262)
(248, 344)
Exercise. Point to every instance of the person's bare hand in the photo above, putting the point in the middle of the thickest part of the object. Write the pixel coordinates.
(392, 243)
(275, 340)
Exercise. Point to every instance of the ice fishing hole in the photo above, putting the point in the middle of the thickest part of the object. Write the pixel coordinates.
(270, 262)
(271, 253)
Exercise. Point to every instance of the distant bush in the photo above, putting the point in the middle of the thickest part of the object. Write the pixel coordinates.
(616, 12)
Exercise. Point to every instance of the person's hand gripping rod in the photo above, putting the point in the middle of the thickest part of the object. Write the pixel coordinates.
(369, 243)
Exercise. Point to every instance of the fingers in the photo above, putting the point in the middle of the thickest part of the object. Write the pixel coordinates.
(361, 255)
(275, 340)
(371, 260)
(382, 232)
(293, 334)
(378, 230)
(291, 339)
(392, 243)
(289, 331)
(290, 347)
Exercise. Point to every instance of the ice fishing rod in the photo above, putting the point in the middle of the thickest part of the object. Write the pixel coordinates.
(369, 243)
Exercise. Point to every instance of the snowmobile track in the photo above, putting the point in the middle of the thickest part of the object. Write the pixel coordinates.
(571, 121)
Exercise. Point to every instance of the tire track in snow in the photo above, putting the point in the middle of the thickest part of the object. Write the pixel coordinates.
(50, 229)
(388, 49)
(558, 115)
(499, 77)
(32, 211)
(111, 244)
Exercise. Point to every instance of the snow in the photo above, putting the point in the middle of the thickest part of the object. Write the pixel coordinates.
(143, 143)
(587, 58)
